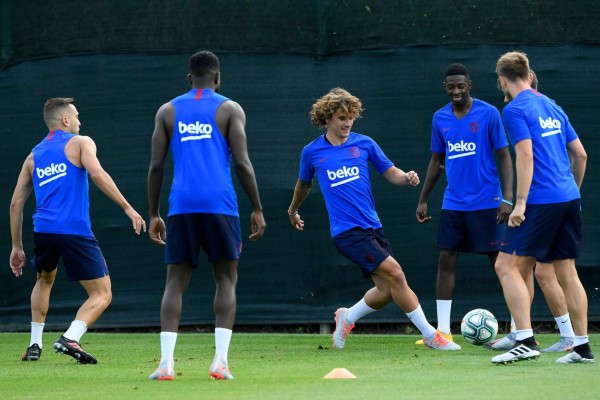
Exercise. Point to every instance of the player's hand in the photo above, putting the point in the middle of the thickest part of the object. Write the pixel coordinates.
(257, 225)
(157, 231)
(17, 261)
(412, 178)
(297, 222)
(517, 216)
(422, 213)
(136, 219)
(503, 213)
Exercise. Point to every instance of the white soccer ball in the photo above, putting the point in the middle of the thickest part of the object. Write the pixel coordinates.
(479, 326)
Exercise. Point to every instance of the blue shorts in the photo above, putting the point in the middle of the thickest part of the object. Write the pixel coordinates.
(219, 235)
(549, 232)
(81, 255)
(366, 247)
(470, 231)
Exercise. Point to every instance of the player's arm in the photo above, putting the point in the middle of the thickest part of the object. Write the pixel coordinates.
(236, 136)
(163, 123)
(90, 162)
(507, 176)
(20, 195)
(524, 169)
(578, 158)
(434, 170)
(398, 177)
(301, 192)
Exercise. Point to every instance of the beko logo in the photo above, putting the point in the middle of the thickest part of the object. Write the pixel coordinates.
(197, 131)
(550, 123)
(52, 172)
(462, 148)
(344, 173)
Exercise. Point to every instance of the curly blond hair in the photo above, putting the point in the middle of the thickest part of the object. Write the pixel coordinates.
(336, 99)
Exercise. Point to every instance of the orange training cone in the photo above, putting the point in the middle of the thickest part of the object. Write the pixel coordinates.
(340, 373)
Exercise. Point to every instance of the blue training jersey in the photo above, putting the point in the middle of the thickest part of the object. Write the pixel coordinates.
(344, 177)
(61, 189)
(531, 115)
(469, 144)
(201, 157)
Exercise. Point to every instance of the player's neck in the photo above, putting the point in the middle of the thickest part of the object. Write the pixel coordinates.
(460, 110)
(335, 140)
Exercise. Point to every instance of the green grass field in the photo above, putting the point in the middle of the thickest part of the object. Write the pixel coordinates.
(288, 366)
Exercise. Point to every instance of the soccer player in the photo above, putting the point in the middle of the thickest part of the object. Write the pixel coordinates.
(205, 131)
(340, 160)
(466, 134)
(545, 223)
(553, 293)
(57, 170)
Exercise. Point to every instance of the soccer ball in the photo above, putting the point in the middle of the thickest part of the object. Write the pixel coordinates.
(479, 326)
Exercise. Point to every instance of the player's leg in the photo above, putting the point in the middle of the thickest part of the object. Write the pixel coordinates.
(444, 289)
(225, 274)
(222, 241)
(345, 318)
(564, 251)
(452, 237)
(391, 272)
(40, 301)
(512, 272)
(555, 298)
(84, 263)
(178, 280)
(508, 342)
(577, 304)
(181, 257)
(99, 297)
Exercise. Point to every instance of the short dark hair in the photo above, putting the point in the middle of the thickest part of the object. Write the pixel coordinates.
(53, 105)
(456, 69)
(204, 63)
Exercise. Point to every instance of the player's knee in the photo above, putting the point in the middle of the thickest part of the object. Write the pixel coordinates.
(104, 299)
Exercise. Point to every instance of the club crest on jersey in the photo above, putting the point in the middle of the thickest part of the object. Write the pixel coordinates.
(52, 173)
(474, 127)
(354, 152)
(196, 131)
(345, 174)
(461, 149)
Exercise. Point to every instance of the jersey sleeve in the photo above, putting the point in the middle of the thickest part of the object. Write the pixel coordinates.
(438, 144)
(570, 133)
(307, 170)
(515, 124)
(378, 157)
(497, 133)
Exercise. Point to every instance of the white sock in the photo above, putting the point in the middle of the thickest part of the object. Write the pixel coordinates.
(564, 325)
(513, 325)
(523, 334)
(76, 330)
(443, 315)
(222, 339)
(167, 348)
(578, 340)
(37, 328)
(417, 317)
(358, 311)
